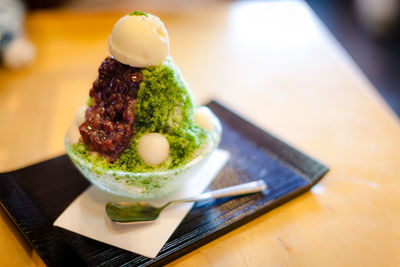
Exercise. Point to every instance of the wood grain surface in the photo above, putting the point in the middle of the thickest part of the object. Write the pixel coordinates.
(275, 64)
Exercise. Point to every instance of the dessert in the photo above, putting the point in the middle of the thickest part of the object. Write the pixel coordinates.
(142, 126)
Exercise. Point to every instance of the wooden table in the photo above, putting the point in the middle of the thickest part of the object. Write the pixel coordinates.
(275, 64)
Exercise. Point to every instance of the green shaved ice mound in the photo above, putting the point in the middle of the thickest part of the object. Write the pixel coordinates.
(164, 101)
(164, 105)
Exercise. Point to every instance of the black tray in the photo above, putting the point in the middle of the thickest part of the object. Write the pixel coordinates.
(35, 196)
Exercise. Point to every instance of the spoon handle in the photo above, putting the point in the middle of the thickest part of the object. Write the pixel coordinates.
(236, 190)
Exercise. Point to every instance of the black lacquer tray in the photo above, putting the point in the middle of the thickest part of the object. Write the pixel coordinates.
(36, 195)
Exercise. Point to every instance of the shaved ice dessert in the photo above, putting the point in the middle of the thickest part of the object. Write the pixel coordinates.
(141, 129)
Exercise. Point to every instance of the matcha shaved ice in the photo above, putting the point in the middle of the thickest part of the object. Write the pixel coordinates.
(140, 97)
(166, 106)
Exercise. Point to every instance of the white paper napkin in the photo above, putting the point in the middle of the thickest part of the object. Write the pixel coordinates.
(86, 215)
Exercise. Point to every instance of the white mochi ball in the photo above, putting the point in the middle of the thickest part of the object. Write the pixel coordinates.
(203, 117)
(153, 148)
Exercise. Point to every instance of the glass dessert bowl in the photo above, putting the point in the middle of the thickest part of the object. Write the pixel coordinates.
(141, 133)
(140, 184)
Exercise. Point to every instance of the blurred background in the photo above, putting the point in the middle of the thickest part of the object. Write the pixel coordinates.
(367, 29)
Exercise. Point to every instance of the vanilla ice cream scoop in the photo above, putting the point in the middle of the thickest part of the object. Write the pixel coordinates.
(139, 40)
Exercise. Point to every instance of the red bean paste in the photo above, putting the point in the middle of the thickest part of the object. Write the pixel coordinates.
(109, 121)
